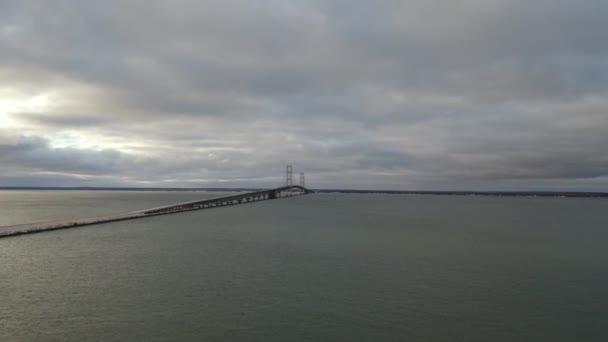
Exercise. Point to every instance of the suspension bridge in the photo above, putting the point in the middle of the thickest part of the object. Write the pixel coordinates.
(289, 190)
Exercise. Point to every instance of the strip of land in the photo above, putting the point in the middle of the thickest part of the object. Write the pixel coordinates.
(352, 191)
(472, 193)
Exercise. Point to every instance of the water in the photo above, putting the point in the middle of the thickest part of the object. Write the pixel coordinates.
(322, 267)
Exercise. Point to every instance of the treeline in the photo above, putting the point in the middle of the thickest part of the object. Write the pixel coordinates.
(473, 193)
(348, 191)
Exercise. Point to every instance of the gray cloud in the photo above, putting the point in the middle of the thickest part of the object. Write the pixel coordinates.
(34, 154)
(387, 94)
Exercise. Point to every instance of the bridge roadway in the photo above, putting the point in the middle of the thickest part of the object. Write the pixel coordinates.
(286, 191)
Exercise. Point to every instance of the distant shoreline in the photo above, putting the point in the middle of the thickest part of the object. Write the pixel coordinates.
(588, 194)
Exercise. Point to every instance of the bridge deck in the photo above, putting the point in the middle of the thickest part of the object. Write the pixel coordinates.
(255, 196)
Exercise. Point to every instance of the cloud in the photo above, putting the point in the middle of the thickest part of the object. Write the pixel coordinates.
(490, 94)
(33, 154)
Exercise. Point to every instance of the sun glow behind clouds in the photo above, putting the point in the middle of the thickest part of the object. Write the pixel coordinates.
(13, 102)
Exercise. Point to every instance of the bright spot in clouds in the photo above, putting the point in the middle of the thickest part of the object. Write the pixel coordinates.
(12, 103)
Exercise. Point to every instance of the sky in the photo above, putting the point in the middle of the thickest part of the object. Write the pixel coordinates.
(385, 94)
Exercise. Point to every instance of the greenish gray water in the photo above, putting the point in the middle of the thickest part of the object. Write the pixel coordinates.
(322, 267)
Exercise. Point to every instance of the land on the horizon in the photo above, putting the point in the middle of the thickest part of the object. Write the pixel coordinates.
(546, 193)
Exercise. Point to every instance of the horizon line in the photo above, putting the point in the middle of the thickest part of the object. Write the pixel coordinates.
(455, 192)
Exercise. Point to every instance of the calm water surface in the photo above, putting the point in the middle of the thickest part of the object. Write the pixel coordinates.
(323, 267)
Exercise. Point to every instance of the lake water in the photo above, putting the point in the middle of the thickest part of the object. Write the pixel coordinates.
(322, 267)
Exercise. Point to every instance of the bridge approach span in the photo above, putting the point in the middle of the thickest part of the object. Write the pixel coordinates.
(248, 197)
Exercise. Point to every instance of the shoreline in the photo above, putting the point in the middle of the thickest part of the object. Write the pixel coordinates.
(500, 193)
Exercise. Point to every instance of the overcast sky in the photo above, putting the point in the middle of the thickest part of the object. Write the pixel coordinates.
(403, 94)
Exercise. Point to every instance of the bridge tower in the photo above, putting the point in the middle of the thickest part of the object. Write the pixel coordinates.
(289, 176)
(302, 182)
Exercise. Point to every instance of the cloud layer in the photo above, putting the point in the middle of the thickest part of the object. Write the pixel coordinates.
(413, 94)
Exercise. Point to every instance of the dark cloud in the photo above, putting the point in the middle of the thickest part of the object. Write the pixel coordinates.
(30, 154)
(61, 120)
(401, 94)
